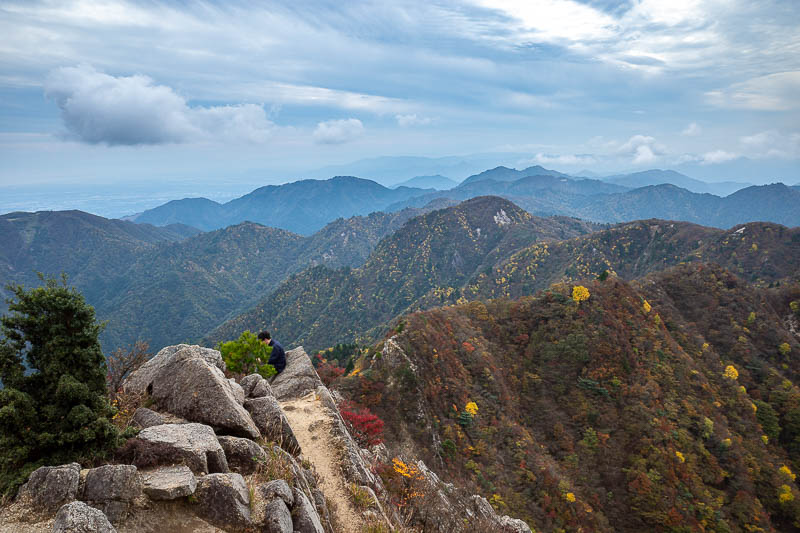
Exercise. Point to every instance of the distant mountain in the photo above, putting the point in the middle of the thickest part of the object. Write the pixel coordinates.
(510, 174)
(301, 207)
(615, 414)
(438, 182)
(151, 285)
(434, 252)
(657, 177)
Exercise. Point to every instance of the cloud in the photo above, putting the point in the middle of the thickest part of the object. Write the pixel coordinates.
(412, 120)
(338, 131)
(717, 156)
(98, 108)
(692, 130)
(775, 92)
(564, 159)
(772, 143)
(643, 148)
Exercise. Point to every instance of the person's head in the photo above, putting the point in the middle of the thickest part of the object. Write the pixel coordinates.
(264, 337)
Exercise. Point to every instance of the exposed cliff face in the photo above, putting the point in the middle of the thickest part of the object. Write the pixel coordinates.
(214, 454)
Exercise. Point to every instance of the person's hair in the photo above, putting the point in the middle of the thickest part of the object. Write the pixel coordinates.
(264, 335)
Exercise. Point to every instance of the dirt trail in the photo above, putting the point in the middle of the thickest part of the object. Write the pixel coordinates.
(311, 426)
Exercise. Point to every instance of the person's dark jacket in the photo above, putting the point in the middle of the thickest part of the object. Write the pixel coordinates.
(278, 356)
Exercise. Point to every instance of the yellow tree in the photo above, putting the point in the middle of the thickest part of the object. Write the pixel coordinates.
(580, 293)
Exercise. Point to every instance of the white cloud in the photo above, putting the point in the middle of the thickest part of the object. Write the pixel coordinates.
(128, 110)
(692, 130)
(775, 92)
(717, 156)
(644, 149)
(772, 143)
(412, 120)
(338, 131)
(563, 159)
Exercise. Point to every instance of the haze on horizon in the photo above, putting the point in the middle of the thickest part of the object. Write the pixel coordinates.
(123, 92)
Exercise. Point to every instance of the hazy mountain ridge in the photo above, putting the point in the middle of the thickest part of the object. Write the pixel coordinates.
(608, 415)
(303, 207)
(658, 177)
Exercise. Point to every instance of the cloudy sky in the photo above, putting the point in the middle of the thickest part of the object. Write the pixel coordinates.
(107, 91)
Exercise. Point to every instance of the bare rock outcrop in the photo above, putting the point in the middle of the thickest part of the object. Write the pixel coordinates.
(194, 444)
(224, 500)
(298, 378)
(304, 516)
(139, 381)
(112, 489)
(243, 455)
(168, 482)
(277, 517)
(77, 517)
(255, 386)
(50, 487)
(189, 386)
(268, 416)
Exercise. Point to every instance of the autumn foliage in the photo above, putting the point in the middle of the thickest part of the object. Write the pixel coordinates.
(365, 427)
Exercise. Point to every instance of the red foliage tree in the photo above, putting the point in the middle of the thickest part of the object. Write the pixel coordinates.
(364, 426)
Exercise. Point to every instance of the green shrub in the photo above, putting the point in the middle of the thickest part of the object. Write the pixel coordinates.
(247, 355)
(54, 407)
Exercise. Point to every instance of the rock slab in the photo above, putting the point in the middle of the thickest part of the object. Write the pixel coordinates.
(50, 487)
(224, 500)
(243, 455)
(194, 444)
(298, 378)
(141, 380)
(277, 518)
(305, 517)
(112, 482)
(168, 482)
(77, 517)
(267, 414)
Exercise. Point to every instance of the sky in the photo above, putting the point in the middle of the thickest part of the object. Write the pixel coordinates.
(122, 92)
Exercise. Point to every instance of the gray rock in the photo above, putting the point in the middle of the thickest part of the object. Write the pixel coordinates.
(168, 482)
(112, 482)
(224, 500)
(297, 378)
(277, 488)
(256, 386)
(145, 418)
(77, 517)
(139, 381)
(50, 487)
(238, 391)
(277, 518)
(322, 509)
(268, 416)
(194, 444)
(304, 515)
(243, 455)
(115, 511)
(190, 387)
(513, 525)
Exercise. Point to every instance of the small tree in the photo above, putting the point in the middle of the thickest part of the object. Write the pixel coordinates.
(247, 355)
(54, 408)
(580, 293)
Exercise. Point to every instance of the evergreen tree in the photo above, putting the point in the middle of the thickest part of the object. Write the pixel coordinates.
(53, 407)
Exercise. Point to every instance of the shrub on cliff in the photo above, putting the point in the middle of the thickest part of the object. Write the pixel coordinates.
(53, 408)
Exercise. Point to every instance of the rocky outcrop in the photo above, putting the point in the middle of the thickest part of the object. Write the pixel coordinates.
(268, 416)
(194, 444)
(304, 515)
(243, 455)
(189, 386)
(145, 418)
(77, 517)
(168, 482)
(224, 500)
(255, 386)
(139, 382)
(277, 488)
(112, 489)
(298, 378)
(277, 517)
(50, 487)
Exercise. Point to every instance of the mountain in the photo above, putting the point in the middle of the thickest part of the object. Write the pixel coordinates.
(152, 286)
(662, 405)
(438, 182)
(510, 174)
(320, 306)
(657, 177)
(435, 252)
(301, 207)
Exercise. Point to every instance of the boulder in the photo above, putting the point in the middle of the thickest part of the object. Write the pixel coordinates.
(112, 482)
(145, 418)
(243, 455)
(304, 515)
(298, 378)
(189, 386)
(194, 444)
(268, 416)
(256, 386)
(50, 487)
(238, 391)
(168, 482)
(77, 517)
(224, 500)
(513, 525)
(277, 518)
(277, 488)
(139, 381)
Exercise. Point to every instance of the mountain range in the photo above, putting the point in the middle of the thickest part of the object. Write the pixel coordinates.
(306, 206)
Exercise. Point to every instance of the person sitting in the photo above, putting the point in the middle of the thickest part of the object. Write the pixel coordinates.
(278, 357)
